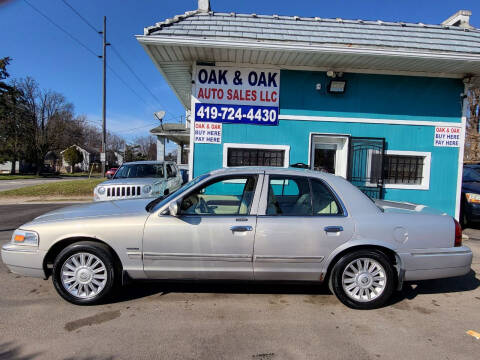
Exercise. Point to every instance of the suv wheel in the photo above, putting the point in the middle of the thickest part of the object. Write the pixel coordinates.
(84, 273)
(363, 279)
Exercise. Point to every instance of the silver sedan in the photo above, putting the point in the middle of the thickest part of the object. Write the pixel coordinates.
(257, 224)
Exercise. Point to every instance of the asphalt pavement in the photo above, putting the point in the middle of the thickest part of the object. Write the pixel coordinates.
(426, 320)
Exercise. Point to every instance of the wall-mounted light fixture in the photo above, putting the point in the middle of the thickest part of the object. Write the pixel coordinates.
(336, 86)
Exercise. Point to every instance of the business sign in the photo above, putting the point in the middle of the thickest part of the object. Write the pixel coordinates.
(447, 136)
(208, 133)
(237, 95)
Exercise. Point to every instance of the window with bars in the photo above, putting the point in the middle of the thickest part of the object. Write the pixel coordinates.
(403, 169)
(255, 157)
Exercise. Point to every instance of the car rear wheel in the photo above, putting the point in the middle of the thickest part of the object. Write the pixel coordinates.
(84, 273)
(363, 279)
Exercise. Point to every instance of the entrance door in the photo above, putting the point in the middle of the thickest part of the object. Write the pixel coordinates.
(324, 157)
(365, 165)
(211, 237)
(330, 154)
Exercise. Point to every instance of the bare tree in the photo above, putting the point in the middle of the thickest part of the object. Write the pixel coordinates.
(147, 146)
(50, 110)
(472, 136)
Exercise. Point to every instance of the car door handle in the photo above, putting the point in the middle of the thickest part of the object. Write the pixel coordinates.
(333, 229)
(241, 228)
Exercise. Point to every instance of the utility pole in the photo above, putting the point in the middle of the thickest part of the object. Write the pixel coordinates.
(103, 154)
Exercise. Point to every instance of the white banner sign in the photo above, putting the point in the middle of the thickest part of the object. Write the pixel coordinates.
(208, 133)
(447, 136)
(237, 95)
(238, 86)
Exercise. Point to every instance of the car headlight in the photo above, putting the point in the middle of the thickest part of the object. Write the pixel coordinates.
(147, 189)
(473, 198)
(101, 190)
(21, 237)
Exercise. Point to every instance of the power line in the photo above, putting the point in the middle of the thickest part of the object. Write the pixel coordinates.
(136, 128)
(81, 17)
(126, 84)
(84, 46)
(117, 54)
(61, 28)
(137, 77)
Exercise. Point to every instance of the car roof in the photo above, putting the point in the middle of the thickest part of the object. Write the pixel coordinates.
(152, 162)
(274, 170)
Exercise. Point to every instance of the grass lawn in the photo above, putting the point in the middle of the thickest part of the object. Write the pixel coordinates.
(62, 175)
(18, 177)
(57, 189)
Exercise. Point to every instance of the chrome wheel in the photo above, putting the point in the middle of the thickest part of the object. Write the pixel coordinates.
(364, 279)
(84, 275)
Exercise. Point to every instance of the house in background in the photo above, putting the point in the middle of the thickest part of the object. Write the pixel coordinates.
(89, 157)
(6, 167)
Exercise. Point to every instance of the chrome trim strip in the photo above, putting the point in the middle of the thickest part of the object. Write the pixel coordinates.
(288, 259)
(9, 247)
(197, 257)
(134, 255)
(441, 253)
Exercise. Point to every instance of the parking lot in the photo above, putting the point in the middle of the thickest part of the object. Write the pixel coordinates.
(426, 320)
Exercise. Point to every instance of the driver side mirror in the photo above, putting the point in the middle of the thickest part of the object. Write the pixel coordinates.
(173, 208)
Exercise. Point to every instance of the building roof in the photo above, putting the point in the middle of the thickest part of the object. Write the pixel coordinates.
(177, 133)
(310, 31)
(292, 42)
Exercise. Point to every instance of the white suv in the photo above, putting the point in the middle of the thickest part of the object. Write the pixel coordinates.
(140, 179)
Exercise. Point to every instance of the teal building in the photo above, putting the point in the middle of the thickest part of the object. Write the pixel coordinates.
(381, 104)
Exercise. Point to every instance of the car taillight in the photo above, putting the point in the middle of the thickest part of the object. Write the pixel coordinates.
(458, 234)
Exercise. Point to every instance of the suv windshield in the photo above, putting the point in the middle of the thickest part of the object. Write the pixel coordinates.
(140, 171)
(159, 202)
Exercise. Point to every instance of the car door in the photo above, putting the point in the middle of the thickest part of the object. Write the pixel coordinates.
(300, 223)
(211, 237)
(173, 181)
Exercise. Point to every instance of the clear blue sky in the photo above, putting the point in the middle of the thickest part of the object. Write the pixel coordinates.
(42, 51)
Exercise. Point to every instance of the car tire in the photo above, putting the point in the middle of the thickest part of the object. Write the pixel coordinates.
(364, 279)
(84, 273)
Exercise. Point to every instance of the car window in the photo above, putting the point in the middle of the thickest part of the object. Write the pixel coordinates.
(471, 175)
(171, 171)
(140, 171)
(224, 196)
(289, 196)
(324, 202)
(156, 204)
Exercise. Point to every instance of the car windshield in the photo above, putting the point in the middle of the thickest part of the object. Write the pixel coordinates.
(161, 201)
(471, 174)
(140, 171)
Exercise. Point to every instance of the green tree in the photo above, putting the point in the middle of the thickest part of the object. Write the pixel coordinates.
(73, 156)
(14, 119)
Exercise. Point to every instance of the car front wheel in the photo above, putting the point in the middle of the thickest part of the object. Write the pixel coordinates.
(363, 279)
(84, 273)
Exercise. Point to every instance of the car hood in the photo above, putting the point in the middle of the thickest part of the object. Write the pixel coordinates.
(473, 187)
(405, 207)
(96, 209)
(132, 181)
